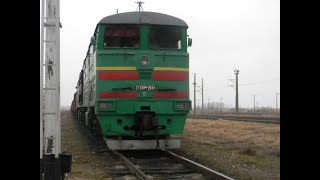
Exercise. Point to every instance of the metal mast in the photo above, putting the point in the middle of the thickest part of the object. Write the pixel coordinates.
(51, 103)
(194, 99)
(236, 72)
(140, 6)
(254, 103)
(277, 101)
(50, 138)
(202, 94)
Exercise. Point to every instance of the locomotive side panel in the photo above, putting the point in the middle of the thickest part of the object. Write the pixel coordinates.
(86, 77)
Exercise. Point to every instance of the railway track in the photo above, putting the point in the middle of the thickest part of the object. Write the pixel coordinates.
(149, 164)
(162, 164)
(274, 120)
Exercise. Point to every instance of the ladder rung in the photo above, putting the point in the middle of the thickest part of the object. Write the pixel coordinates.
(49, 64)
(49, 138)
(50, 17)
(48, 41)
(47, 25)
(52, 25)
(49, 113)
(49, 88)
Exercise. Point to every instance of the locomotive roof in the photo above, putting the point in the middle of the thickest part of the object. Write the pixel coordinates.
(143, 17)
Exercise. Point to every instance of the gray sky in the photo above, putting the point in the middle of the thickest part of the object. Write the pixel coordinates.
(227, 34)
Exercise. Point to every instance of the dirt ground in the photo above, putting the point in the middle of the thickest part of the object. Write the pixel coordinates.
(242, 150)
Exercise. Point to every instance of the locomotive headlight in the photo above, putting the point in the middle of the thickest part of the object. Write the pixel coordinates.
(144, 60)
(105, 105)
(183, 105)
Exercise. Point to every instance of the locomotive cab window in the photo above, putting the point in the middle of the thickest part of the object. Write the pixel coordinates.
(121, 37)
(165, 38)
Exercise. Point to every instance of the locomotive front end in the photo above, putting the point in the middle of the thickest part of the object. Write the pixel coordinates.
(142, 80)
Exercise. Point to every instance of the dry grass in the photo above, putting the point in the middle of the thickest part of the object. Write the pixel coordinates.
(86, 165)
(243, 150)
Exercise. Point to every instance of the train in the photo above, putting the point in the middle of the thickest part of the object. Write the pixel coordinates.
(133, 87)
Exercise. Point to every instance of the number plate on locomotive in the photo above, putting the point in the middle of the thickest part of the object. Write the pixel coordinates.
(145, 87)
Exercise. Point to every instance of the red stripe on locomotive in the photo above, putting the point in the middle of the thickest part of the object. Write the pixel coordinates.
(118, 75)
(170, 76)
(117, 95)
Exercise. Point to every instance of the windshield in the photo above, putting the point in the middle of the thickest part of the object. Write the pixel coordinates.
(121, 37)
(165, 38)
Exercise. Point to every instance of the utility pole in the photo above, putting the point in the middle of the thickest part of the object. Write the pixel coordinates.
(194, 98)
(220, 104)
(236, 72)
(254, 103)
(208, 105)
(199, 91)
(53, 163)
(277, 101)
(202, 93)
(139, 6)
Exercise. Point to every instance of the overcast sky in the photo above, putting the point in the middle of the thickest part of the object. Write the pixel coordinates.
(226, 34)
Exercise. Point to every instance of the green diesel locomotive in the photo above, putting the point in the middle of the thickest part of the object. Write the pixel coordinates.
(133, 87)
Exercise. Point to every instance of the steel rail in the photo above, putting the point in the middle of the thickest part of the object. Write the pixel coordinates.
(132, 167)
(235, 118)
(200, 168)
